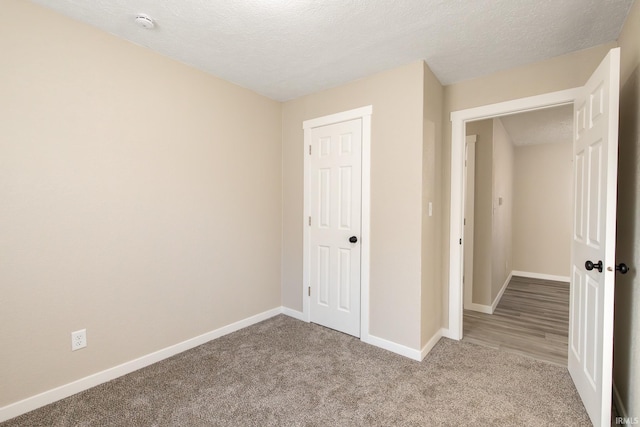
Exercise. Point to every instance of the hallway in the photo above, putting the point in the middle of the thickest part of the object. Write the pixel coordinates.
(531, 319)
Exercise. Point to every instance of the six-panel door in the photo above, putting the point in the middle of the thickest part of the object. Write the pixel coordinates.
(335, 206)
(594, 232)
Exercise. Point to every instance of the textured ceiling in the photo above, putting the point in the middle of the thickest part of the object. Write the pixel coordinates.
(547, 126)
(287, 48)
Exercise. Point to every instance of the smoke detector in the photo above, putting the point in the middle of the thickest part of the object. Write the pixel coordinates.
(145, 21)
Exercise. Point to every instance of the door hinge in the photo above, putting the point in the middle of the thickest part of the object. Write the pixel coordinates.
(309, 220)
(309, 150)
(309, 290)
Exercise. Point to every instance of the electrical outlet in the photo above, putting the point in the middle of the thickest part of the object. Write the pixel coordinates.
(78, 339)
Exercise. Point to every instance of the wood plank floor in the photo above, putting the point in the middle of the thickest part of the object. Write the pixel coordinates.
(532, 319)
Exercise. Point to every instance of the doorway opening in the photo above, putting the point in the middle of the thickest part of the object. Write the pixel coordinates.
(460, 119)
(518, 223)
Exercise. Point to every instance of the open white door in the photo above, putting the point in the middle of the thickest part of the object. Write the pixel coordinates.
(593, 249)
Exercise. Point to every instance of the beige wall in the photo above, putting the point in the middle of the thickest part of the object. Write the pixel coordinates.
(492, 240)
(482, 212)
(431, 294)
(502, 223)
(396, 195)
(555, 74)
(543, 196)
(627, 300)
(135, 193)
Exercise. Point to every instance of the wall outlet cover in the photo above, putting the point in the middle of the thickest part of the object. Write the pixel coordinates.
(78, 339)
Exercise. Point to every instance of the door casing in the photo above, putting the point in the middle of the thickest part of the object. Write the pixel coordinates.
(469, 219)
(363, 113)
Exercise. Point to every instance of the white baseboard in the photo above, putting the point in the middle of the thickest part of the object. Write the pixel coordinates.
(29, 404)
(622, 411)
(541, 276)
(293, 313)
(431, 343)
(381, 342)
(499, 296)
(394, 347)
(446, 333)
(34, 402)
(479, 307)
(489, 309)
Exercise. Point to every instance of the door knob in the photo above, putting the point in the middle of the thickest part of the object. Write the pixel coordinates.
(622, 268)
(590, 266)
(353, 239)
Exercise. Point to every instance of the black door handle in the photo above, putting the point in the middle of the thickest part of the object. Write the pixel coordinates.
(353, 239)
(590, 266)
(622, 268)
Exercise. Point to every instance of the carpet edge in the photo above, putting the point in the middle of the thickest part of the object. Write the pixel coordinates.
(23, 406)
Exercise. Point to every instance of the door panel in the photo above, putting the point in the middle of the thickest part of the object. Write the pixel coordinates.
(335, 206)
(595, 214)
(344, 280)
(595, 184)
(323, 275)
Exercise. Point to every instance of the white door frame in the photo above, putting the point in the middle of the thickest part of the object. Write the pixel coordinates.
(456, 229)
(363, 113)
(469, 220)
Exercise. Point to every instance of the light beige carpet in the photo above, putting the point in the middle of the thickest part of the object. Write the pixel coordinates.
(283, 372)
